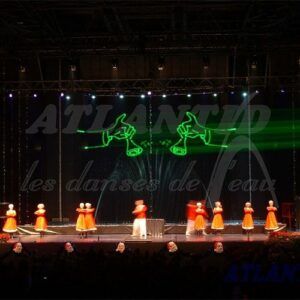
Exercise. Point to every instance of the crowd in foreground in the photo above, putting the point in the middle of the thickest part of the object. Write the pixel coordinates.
(269, 270)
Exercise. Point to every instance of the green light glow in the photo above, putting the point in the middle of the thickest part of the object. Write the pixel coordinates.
(191, 129)
(120, 131)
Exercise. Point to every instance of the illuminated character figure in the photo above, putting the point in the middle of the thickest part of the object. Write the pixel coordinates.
(271, 221)
(81, 224)
(139, 223)
(191, 216)
(89, 218)
(119, 131)
(217, 222)
(10, 225)
(247, 223)
(201, 216)
(41, 222)
(192, 129)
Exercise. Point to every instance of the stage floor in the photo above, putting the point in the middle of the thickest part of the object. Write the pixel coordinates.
(115, 238)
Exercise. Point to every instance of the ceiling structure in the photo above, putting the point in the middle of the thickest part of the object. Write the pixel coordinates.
(35, 33)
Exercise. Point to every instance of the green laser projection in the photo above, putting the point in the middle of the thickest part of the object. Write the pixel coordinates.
(119, 131)
(191, 129)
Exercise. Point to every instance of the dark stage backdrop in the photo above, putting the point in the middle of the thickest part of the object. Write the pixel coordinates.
(111, 180)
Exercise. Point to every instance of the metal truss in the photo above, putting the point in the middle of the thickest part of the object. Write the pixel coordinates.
(64, 28)
(171, 85)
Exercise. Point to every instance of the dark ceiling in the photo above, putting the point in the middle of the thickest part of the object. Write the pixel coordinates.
(68, 27)
(50, 37)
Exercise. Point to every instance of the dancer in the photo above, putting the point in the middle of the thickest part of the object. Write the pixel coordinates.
(89, 218)
(191, 216)
(201, 216)
(10, 225)
(81, 224)
(247, 223)
(217, 223)
(41, 222)
(271, 221)
(139, 223)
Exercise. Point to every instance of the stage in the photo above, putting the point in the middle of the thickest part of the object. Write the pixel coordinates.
(107, 236)
(114, 238)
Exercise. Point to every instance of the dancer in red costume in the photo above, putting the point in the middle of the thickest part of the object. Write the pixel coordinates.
(217, 222)
(10, 225)
(89, 218)
(271, 221)
(139, 223)
(248, 223)
(201, 216)
(191, 216)
(81, 224)
(41, 222)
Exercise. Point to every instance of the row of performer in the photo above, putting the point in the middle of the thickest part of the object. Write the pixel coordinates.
(196, 218)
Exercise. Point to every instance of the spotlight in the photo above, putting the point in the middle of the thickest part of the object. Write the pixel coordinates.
(115, 63)
(149, 93)
(121, 96)
(215, 95)
(10, 95)
(232, 93)
(257, 92)
(73, 68)
(22, 69)
(62, 94)
(253, 64)
(244, 94)
(161, 64)
(93, 97)
(68, 97)
(164, 95)
(282, 91)
(189, 95)
(142, 96)
(34, 95)
(206, 62)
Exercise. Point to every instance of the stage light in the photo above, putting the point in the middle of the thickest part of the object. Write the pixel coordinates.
(121, 96)
(161, 64)
(68, 97)
(257, 92)
(206, 62)
(149, 93)
(34, 95)
(93, 97)
(244, 94)
(253, 63)
(22, 69)
(189, 95)
(142, 96)
(62, 94)
(10, 95)
(115, 63)
(215, 95)
(282, 91)
(232, 93)
(164, 95)
(73, 68)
